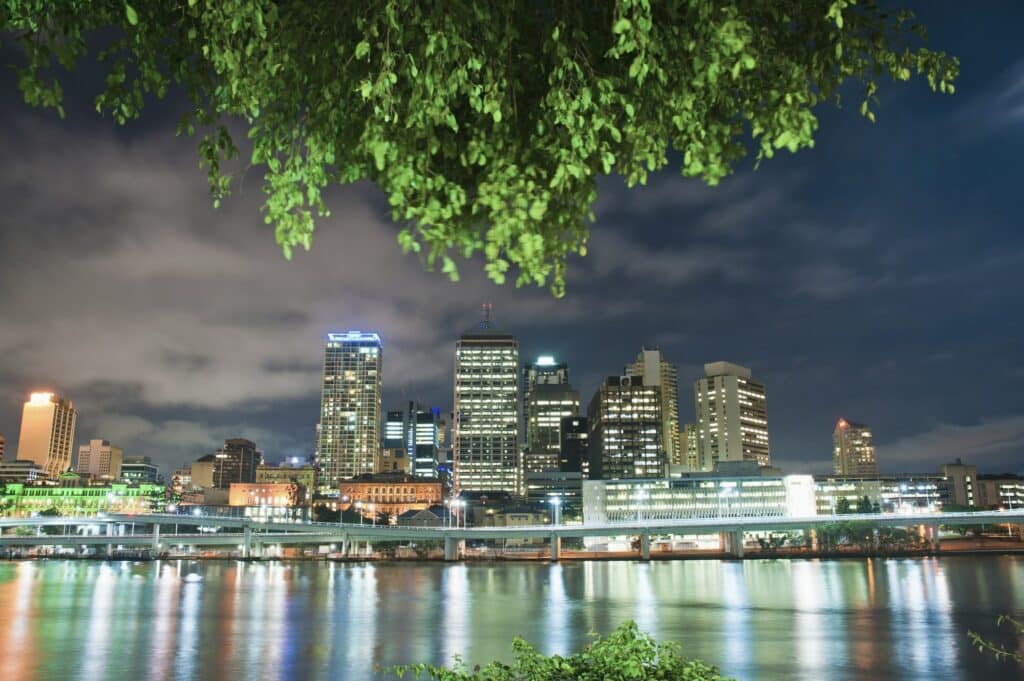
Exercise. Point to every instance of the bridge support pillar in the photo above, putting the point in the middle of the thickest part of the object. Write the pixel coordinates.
(732, 543)
(246, 541)
(156, 538)
(344, 545)
(932, 534)
(451, 548)
(556, 547)
(645, 546)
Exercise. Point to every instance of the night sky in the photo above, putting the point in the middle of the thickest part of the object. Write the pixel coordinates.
(876, 277)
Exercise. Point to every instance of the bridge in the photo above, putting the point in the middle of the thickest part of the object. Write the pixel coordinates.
(250, 536)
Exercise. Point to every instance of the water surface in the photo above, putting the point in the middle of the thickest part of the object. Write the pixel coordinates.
(757, 620)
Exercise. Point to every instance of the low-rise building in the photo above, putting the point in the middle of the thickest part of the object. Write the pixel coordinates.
(885, 493)
(962, 482)
(388, 493)
(567, 487)
(136, 470)
(301, 475)
(279, 494)
(21, 471)
(1000, 491)
(19, 499)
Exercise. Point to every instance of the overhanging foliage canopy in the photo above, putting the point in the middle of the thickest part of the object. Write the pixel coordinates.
(486, 124)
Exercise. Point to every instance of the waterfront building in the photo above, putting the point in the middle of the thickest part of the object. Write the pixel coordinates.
(274, 494)
(47, 432)
(435, 516)
(574, 439)
(698, 496)
(348, 435)
(732, 416)
(100, 460)
(567, 487)
(304, 475)
(1000, 491)
(884, 493)
(388, 493)
(962, 482)
(751, 491)
(656, 371)
(20, 499)
(21, 471)
(485, 430)
(852, 450)
(137, 470)
(625, 422)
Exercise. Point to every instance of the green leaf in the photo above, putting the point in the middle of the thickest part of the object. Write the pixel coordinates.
(132, 16)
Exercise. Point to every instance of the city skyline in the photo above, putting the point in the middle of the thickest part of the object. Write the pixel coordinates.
(832, 273)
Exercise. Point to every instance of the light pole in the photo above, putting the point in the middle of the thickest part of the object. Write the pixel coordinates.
(359, 507)
(461, 503)
(556, 505)
(373, 510)
(641, 496)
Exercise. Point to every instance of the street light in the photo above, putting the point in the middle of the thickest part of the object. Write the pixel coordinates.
(556, 503)
(359, 507)
(461, 503)
(373, 510)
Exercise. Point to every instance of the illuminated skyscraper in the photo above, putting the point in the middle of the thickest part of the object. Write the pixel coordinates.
(47, 433)
(485, 430)
(852, 450)
(417, 433)
(625, 430)
(547, 399)
(732, 416)
(656, 371)
(350, 409)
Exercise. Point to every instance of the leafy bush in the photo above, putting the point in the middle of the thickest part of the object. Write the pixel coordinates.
(625, 654)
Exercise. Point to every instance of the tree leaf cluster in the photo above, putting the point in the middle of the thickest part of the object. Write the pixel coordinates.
(486, 124)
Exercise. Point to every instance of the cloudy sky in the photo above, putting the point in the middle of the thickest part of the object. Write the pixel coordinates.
(879, 276)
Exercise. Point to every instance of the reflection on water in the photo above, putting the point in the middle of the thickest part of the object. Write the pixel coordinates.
(846, 619)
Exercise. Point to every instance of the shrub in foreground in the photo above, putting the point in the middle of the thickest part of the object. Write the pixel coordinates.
(625, 654)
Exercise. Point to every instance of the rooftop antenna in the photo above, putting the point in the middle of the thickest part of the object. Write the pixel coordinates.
(485, 313)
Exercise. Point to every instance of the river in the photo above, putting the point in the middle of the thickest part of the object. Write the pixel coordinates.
(756, 619)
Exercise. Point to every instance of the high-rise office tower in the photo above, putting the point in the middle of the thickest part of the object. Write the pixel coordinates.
(573, 453)
(350, 409)
(100, 460)
(485, 429)
(424, 440)
(655, 370)
(852, 450)
(689, 438)
(547, 399)
(545, 371)
(732, 416)
(236, 461)
(626, 430)
(47, 433)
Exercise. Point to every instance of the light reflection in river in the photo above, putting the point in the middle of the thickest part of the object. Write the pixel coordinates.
(849, 619)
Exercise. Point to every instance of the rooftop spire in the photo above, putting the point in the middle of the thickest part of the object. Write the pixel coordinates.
(485, 316)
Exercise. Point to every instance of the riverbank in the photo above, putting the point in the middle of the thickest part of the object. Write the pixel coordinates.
(952, 547)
